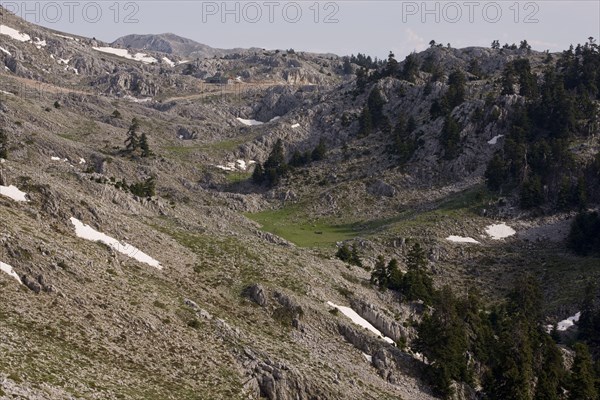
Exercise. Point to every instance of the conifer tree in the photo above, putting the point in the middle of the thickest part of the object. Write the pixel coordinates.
(582, 382)
(258, 175)
(144, 146)
(365, 122)
(379, 275)
(3, 144)
(450, 138)
(132, 142)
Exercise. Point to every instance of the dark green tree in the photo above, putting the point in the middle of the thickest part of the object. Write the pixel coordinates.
(258, 175)
(344, 253)
(320, 151)
(582, 381)
(584, 236)
(391, 68)
(375, 104)
(410, 68)
(355, 256)
(275, 167)
(450, 138)
(379, 276)
(132, 143)
(365, 122)
(455, 95)
(144, 146)
(496, 173)
(442, 339)
(3, 144)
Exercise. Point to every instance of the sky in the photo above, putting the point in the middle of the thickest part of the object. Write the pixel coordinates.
(342, 27)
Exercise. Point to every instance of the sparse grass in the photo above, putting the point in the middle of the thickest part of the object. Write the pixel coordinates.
(290, 225)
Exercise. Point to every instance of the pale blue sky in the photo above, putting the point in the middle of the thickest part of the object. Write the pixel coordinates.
(371, 27)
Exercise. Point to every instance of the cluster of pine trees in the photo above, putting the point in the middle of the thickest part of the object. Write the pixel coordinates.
(349, 255)
(415, 284)
(135, 143)
(276, 167)
(536, 160)
(145, 188)
(505, 349)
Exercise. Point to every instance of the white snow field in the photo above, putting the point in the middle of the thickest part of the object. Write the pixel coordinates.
(10, 271)
(146, 59)
(13, 192)
(494, 140)
(461, 239)
(15, 34)
(295, 126)
(249, 122)
(499, 231)
(169, 62)
(87, 232)
(360, 321)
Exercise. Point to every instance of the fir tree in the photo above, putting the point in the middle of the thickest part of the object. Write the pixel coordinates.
(132, 142)
(379, 276)
(319, 151)
(365, 122)
(258, 175)
(450, 138)
(144, 146)
(3, 144)
(582, 382)
(344, 253)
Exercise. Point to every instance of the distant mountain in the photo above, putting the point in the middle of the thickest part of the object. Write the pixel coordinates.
(172, 44)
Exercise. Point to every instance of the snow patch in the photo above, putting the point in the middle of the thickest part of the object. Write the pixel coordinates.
(81, 160)
(7, 93)
(169, 62)
(15, 34)
(39, 43)
(569, 322)
(238, 165)
(494, 140)
(65, 61)
(55, 158)
(10, 271)
(274, 119)
(499, 231)
(2, 49)
(461, 239)
(65, 37)
(249, 122)
(142, 57)
(136, 100)
(368, 357)
(565, 324)
(13, 192)
(295, 126)
(360, 321)
(87, 232)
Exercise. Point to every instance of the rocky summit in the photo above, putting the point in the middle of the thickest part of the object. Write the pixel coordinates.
(184, 222)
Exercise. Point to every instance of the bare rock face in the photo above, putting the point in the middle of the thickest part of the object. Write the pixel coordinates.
(380, 188)
(386, 325)
(257, 294)
(277, 381)
(124, 82)
(185, 134)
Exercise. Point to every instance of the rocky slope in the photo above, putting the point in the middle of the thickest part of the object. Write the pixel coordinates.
(235, 311)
